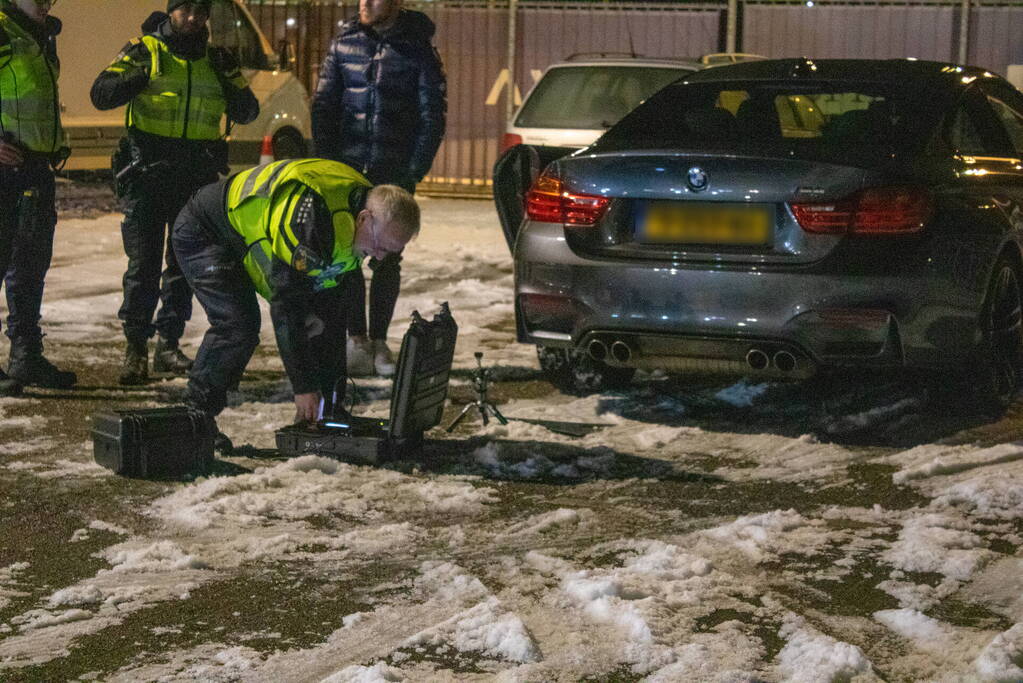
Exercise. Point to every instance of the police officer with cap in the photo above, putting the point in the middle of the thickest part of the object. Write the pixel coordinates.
(288, 231)
(32, 144)
(178, 88)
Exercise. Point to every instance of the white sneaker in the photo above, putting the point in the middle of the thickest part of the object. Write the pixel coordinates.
(360, 358)
(383, 359)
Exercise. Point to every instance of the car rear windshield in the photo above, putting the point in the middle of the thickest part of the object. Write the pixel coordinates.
(840, 122)
(591, 97)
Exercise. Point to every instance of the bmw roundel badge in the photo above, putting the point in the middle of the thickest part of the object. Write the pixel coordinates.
(697, 179)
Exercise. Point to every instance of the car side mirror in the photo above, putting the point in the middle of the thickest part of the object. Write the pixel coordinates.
(286, 58)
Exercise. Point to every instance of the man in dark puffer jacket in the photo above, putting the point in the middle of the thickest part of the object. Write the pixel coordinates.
(379, 108)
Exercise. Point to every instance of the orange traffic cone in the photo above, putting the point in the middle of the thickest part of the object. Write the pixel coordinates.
(266, 154)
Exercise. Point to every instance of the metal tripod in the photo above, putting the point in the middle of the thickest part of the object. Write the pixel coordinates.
(480, 383)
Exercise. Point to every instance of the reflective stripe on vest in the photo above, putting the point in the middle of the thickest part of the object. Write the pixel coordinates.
(183, 99)
(29, 108)
(261, 202)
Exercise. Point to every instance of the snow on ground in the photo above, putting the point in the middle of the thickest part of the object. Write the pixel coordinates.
(692, 535)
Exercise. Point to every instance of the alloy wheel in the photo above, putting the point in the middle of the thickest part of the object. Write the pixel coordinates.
(1004, 331)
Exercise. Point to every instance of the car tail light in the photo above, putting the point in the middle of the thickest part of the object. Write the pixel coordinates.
(509, 140)
(873, 211)
(549, 201)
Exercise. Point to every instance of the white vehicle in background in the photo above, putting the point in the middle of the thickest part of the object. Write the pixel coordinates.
(91, 38)
(578, 99)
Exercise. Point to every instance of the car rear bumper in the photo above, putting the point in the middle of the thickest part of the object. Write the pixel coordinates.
(712, 317)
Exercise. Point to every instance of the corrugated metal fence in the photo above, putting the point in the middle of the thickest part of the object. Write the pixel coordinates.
(473, 39)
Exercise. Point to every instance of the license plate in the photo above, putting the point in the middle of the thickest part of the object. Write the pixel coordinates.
(706, 223)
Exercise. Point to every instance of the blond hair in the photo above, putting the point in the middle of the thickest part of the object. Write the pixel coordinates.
(396, 207)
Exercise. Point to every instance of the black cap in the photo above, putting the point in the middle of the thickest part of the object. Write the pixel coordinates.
(174, 4)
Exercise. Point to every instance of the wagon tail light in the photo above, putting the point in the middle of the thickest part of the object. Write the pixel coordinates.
(873, 211)
(509, 140)
(549, 201)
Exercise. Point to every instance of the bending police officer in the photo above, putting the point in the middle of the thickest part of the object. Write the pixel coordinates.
(32, 143)
(178, 88)
(288, 231)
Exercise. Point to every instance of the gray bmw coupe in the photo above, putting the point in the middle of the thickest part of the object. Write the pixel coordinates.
(779, 219)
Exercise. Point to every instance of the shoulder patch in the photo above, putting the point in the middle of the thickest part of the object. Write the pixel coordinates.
(134, 49)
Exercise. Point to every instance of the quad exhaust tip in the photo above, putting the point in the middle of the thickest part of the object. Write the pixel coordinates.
(757, 359)
(784, 361)
(621, 352)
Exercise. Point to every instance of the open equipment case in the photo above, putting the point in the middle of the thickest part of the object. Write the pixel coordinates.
(417, 403)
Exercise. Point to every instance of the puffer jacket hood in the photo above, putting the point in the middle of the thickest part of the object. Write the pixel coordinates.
(380, 102)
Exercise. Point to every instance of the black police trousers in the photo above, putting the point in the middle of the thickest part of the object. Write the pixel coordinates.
(151, 203)
(215, 272)
(27, 223)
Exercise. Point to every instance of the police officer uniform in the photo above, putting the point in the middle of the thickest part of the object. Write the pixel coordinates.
(30, 121)
(286, 231)
(178, 89)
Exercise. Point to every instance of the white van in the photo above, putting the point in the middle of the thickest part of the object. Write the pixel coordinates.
(94, 32)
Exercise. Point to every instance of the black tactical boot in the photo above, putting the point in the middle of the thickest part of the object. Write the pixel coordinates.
(222, 444)
(169, 358)
(135, 370)
(8, 386)
(29, 367)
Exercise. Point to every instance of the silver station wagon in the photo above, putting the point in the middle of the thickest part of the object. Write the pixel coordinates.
(780, 219)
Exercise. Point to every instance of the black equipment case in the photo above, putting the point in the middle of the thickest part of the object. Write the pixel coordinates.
(154, 442)
(417, 402)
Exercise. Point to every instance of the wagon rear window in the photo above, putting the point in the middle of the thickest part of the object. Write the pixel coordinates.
(591, 97)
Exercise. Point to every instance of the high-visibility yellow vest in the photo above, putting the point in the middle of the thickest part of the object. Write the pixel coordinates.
(29, 100)
(183, 99)
(262, 201)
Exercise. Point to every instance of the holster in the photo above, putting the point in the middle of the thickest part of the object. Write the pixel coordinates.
(28, 214)
(216, 153)
(139, 156)
(124, 163)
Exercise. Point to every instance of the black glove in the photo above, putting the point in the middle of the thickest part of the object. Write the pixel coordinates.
(140, 62)
(224, 63)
